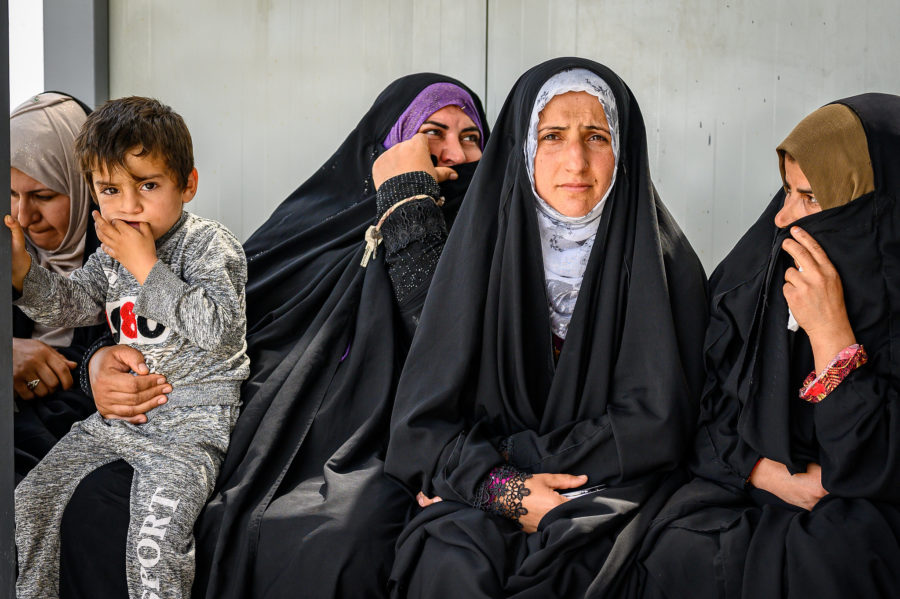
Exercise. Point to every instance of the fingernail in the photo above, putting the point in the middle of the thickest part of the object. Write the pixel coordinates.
(454, 176)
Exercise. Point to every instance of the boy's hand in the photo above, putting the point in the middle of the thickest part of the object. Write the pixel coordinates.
(134, 248)
(21, 259)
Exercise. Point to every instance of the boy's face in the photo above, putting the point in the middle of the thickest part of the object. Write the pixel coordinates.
(144, 191)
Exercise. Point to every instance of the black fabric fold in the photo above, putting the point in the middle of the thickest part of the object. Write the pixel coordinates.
(619, 406)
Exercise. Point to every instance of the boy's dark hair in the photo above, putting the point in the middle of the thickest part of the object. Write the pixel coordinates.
(124, 124)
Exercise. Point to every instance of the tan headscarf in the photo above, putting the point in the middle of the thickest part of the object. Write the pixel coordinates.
(831, 148)
(42, 134)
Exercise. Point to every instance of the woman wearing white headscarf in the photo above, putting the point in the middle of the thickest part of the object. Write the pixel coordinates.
(51, 201)
(552, 383)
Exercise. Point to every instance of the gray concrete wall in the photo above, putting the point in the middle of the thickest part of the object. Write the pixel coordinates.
(271, 87)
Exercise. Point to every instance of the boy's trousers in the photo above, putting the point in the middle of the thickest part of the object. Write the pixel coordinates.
(176, 457)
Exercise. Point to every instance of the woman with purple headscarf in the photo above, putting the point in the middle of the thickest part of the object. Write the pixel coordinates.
(337, 278)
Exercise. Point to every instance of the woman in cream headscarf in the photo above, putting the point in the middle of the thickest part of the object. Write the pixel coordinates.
(51, 201)
(797, 458)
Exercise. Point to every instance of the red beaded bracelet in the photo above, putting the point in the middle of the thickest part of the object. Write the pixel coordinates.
(816, 388)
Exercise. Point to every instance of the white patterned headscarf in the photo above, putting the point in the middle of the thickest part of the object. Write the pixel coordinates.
(566, 241)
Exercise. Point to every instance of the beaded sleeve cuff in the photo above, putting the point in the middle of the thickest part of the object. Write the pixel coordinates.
(502, 493)
(816, 388)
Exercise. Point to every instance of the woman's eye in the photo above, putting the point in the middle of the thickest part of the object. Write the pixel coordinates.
(44, 196)
(434, 132)
(550, 136)
(812, 200)
(597, 137)
(471, 138)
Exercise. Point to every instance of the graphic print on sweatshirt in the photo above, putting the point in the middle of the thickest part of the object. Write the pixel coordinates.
(130, 329)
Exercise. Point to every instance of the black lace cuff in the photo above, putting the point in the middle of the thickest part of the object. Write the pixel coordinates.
(502, 493)
(414, 234)
(84, 380)
(405, 185)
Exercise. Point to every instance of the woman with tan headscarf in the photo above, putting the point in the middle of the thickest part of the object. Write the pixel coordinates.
(797, 457)
(51, 201)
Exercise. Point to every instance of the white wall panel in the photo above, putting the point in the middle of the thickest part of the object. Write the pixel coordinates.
(719, 83)
(270, 88)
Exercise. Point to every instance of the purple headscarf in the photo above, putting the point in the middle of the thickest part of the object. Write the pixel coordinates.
(430, 100)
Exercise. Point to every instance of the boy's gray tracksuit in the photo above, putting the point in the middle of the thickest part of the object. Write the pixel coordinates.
(188, 319)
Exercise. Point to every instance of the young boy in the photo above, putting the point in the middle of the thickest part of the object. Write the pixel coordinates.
(170, 284)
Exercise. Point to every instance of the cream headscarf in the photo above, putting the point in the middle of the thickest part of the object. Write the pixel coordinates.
(566, 241)
(42, 134)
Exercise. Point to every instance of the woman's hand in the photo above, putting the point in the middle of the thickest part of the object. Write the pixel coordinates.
(118, 393)
(424, 500)
(21, 259)
(815, 296)
(803, 489)
(543, 496)
(407, 157)
(34, 360)
(134, 248)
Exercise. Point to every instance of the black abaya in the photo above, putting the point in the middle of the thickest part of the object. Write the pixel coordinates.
(302, 501)
(720, 537)
(619, 406)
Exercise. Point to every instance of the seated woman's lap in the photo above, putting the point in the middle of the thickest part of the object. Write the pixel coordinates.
(96, 517)
(357, 536)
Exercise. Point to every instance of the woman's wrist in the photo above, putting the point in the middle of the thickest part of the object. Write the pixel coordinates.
(84, 380)
(502, 492)
(827, 341)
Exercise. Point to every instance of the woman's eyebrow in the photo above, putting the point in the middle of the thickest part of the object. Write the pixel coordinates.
(472, 128)
(564, 128)
(436, 124)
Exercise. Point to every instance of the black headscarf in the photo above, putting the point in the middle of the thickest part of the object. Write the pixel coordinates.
(326, 346)
(750, 406)
(621, 402)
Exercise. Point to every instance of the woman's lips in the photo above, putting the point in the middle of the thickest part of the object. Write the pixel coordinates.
(575, 187)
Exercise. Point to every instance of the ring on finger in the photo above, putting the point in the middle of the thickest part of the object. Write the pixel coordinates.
(32, 385)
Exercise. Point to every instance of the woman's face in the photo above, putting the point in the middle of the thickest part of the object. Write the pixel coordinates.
(574, 162)
(452, 136)
(799, 199)
(42, 212)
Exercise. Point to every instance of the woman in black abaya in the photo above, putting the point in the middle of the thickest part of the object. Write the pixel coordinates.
(568, 360)
(798, 453)
(302, 506)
